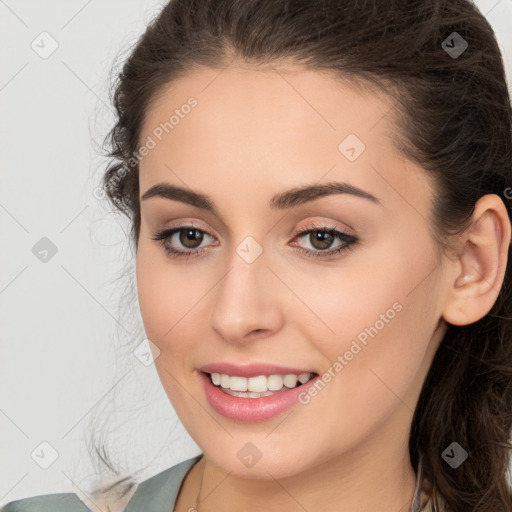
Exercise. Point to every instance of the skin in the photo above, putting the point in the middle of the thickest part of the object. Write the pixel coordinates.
(256, 132)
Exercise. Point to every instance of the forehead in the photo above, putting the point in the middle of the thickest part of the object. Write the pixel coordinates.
(263, 99)
(277, 125)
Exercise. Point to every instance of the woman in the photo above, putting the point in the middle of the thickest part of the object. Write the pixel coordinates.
(320, 200)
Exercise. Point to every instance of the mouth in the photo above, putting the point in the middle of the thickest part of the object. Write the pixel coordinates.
(253, 398)
(258, 386)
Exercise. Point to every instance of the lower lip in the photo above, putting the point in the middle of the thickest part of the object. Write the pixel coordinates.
(251, 409)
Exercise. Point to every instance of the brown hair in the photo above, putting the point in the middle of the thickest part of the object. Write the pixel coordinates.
(454, 118)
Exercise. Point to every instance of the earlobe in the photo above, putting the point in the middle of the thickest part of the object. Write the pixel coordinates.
(480, 266)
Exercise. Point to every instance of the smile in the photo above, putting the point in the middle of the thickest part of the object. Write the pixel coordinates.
(256, 387)
(252, 399)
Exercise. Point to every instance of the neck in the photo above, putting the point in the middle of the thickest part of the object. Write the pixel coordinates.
(373, 480)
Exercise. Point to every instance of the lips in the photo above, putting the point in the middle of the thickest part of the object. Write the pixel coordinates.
(252, 409)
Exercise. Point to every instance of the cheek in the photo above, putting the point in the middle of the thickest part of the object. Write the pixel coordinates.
(378, 313)
(166, 300)
(166, 297)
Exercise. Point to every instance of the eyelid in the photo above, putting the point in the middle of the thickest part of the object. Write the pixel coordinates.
(294, 231)
(348, 241)
(327, 225)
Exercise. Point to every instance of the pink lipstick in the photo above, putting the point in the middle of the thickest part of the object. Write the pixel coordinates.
(247, 409)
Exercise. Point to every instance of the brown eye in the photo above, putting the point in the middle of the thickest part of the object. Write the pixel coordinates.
(182, 241)
(188, 241)
(322, 238)
(190, 238)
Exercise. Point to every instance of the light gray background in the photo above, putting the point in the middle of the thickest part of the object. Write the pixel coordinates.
(60, 359)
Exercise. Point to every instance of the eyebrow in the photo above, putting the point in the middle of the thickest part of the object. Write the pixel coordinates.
(284, 200)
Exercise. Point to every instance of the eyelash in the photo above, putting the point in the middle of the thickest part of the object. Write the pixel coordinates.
(350, 241)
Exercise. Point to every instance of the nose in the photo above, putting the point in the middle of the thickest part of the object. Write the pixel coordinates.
(246, 302)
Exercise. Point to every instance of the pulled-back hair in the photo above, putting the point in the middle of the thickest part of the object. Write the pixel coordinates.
(453, 117)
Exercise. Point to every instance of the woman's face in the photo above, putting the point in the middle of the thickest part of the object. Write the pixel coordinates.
(250, 290)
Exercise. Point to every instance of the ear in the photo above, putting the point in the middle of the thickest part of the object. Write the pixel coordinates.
(479, 267)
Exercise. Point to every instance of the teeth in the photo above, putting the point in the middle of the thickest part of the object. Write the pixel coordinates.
(238, 384)
(304, 377)
(259, 384)
(256, 384)
(275, 382)
(290, 381)
(224, 380)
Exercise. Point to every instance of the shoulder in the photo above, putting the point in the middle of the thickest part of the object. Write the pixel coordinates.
(62, 502)
(160, 491)
(154, 494)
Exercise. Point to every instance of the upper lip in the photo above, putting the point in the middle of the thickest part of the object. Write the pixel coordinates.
(251, 370)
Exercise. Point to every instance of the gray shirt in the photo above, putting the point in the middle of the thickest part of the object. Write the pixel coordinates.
(156, 494)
